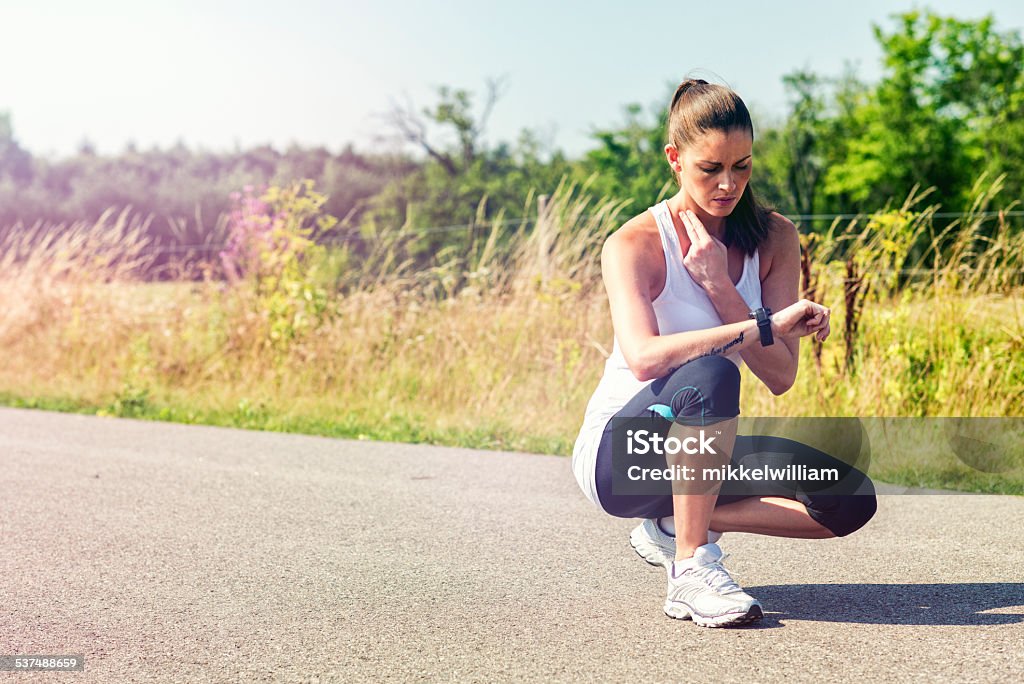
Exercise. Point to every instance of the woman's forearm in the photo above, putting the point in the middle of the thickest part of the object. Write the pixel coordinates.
(776, 364)
(664, 353)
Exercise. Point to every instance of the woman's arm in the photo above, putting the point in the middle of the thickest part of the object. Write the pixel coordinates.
(625, 267)
(776, 365)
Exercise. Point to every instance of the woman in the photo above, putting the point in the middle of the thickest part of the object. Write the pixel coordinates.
(692, 283)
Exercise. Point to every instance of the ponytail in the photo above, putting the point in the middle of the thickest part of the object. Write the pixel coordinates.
(698, 107)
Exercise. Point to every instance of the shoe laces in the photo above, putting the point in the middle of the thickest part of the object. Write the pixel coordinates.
(717, 577)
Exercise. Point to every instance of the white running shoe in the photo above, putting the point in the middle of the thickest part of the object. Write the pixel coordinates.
(694, 591)
(656, 547)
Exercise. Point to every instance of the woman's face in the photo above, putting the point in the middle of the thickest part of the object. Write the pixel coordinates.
(714, 169)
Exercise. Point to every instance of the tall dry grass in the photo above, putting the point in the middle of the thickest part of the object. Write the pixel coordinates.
(499, 346)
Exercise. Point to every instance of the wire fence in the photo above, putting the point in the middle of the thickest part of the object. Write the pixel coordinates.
(206, 252)
(356, 236)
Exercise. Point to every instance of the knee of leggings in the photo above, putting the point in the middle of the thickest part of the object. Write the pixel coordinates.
(712, 389)
(849, 514)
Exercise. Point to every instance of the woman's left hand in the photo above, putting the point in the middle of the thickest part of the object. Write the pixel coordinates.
(707, 260)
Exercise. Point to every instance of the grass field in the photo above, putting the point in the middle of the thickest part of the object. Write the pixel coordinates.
(505, 362)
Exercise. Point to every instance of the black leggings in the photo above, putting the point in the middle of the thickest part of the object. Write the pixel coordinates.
(710, 386)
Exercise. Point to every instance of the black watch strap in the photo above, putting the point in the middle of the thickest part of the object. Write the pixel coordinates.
(764, 324)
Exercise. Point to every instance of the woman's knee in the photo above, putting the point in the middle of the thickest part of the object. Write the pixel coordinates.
(844, 515)
(706, 388)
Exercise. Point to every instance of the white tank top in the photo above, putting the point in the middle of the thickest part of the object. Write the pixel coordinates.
(683, 305)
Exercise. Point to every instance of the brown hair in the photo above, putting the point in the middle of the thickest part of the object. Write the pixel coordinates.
(698, 107)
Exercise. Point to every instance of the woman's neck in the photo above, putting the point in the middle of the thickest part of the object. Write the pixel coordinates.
(715, 225)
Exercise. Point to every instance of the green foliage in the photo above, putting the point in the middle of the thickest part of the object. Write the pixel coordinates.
(947, 111)
(792, 160)
(629, 161)
(294, 302)
(187, 192)
(272, 240)
(950, 90)
(460, 185)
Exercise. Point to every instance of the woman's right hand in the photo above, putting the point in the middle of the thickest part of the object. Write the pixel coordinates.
(800, 319)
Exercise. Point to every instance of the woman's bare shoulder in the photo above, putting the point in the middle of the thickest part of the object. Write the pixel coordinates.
(783, 238)
(637, 243)
(779, 223)
(635, 233)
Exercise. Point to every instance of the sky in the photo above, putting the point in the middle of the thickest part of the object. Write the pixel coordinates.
(220, 74)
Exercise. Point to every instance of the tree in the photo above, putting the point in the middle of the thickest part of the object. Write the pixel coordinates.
(463, 181)
(15, 162)
(454, 109)
(629, 161)
(940, 115)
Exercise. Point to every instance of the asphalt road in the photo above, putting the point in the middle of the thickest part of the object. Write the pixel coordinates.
(172, 553)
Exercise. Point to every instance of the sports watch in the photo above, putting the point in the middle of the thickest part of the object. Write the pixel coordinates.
(764, 324)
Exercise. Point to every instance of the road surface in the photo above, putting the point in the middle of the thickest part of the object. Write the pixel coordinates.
(174, 553)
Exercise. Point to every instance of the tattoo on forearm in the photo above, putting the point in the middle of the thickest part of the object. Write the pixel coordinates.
(713, 351)
(720, 350)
